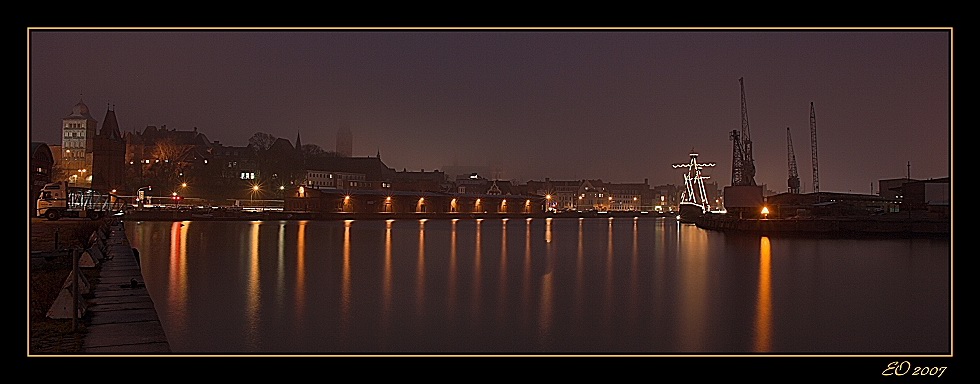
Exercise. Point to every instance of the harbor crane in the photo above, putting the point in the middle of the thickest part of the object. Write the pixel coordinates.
(794, 177)
(813, 148)
(743, 165)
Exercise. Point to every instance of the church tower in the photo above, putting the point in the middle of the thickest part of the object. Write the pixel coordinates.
(345, 142)
(108, 155)
(78, 133)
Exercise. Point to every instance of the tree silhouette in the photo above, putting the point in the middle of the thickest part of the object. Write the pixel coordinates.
(261, 141)
(168, 162)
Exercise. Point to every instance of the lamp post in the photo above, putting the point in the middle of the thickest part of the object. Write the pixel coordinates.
(141, 195)
(548, 208)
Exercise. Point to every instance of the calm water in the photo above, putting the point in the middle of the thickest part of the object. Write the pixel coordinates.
(644, 286)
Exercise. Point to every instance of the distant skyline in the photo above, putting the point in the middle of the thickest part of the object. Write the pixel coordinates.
(621, 105)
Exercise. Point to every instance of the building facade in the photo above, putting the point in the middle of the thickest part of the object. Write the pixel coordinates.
(42, 165)
(109, 156)
(78, 134)
(345, 142)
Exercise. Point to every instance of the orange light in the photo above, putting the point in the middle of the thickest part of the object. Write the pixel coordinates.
(388, 198)
(547, 197)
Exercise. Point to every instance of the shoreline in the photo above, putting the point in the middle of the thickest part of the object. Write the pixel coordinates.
(148, 215)
(833, 227)
(828, 227)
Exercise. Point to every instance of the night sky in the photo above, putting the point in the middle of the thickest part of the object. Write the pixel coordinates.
(620, 105)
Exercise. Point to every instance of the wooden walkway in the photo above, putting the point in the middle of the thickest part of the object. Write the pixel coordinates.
(123, 320)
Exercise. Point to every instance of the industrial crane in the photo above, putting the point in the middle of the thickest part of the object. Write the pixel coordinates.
(813, 148)
(794, 176)
(743, 165)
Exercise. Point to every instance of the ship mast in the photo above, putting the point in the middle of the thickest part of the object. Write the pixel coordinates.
(694, 182)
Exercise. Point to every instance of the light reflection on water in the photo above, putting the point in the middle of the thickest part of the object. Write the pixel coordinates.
(623, 285)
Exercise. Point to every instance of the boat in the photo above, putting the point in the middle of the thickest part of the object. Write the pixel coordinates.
(694, 200)
(690, 212)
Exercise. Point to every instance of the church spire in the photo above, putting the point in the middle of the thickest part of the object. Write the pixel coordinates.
(110, 127)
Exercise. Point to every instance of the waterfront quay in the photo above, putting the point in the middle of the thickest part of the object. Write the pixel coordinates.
(117, 315)
(232, 214)
(898, 225)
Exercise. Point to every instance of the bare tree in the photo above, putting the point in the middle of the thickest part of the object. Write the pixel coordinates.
(58, 171)
(168, 161)
(261, 141)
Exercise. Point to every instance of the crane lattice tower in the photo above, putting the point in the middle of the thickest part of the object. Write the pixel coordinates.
(794, 177)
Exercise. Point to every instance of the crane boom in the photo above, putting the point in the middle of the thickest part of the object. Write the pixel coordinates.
(813, 148)
(794, 177)
(748, 163)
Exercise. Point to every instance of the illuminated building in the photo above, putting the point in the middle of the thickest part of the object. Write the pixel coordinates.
(78, 133)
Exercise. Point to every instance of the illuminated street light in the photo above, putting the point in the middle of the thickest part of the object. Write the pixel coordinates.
(251, 195)
(765, 212)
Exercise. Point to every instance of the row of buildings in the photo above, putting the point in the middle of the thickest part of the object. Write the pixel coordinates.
(166, 162)
(163, 162)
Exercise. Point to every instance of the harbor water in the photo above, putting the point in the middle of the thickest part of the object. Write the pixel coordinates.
(636, 286)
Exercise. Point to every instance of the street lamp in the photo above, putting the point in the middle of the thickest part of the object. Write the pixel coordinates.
(548, 197)
(765, 212)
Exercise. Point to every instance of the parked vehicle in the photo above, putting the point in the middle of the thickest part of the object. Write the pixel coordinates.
(58, 200)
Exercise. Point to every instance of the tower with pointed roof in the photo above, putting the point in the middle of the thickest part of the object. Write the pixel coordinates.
(108, 155)
(78, 134)
(345, 142)
(300, 157)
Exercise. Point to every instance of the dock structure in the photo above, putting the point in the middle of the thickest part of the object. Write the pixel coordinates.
(830, 226)
(123, 319)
